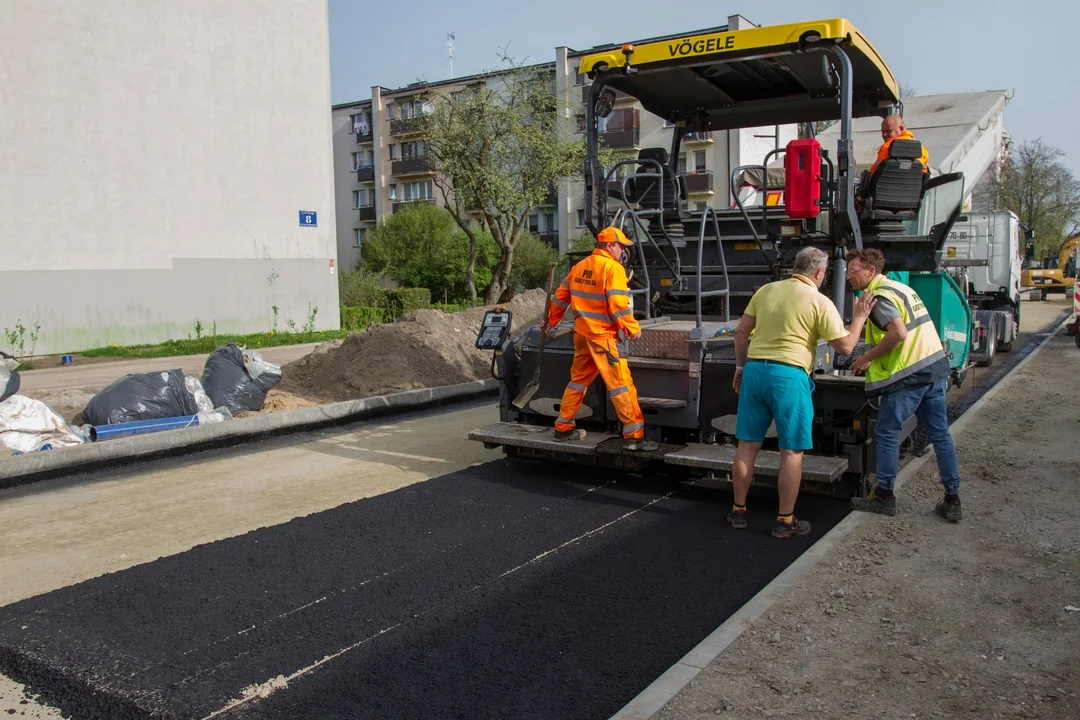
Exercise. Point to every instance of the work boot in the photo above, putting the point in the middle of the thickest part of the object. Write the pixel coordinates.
(877, 502)
(575, 434)
(795, 527)
(950, 509)
(639, 445)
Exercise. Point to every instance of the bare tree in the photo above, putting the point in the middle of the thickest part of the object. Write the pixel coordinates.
(498, 148)
(1042, 191)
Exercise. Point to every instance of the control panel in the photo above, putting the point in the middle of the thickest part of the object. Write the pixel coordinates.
(494, 329)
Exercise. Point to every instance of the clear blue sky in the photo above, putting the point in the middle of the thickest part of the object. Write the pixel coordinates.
(937, 46)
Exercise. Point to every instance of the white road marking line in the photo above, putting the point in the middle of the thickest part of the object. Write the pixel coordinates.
(407, 456)
(269, 689)
(590, 532)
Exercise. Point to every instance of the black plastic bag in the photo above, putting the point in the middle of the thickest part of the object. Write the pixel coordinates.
(13, 382)
(147, 396)
(227, 381)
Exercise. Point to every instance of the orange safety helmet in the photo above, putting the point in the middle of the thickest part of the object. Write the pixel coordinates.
(613, 234)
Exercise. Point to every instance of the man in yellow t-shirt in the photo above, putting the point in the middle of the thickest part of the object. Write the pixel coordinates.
(772, 377)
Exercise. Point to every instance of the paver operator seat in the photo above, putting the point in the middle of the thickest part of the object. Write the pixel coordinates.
(894, 192)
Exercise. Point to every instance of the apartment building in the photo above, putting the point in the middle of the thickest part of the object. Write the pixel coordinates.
(379, 159)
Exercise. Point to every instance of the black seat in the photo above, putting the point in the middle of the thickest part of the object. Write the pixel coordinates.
(645, 192)
(894, 192)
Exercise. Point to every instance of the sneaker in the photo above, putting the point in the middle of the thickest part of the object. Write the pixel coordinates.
(575, 434)
(875, 504)
(737, 519)
(950, 508)
(642, 445)
(797, 527)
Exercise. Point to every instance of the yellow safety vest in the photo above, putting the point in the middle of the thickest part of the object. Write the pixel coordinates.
(920, 349)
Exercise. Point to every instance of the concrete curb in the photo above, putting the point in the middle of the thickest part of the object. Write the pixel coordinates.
(653, 698)
(62, 462)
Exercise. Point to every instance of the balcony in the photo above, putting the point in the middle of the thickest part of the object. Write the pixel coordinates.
(698, 137)
(367, 137)
(698, 183)
(367, 213)
(552, 198)
(621, 139)
(411, 166)
(406, 126)
(551, 238)
(398, 205)
(365, 174)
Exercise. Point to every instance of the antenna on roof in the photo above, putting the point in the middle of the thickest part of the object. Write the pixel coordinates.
(450, 47)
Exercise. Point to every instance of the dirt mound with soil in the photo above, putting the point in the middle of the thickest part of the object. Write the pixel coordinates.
(426, 348)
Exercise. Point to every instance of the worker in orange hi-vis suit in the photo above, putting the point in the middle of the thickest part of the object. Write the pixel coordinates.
(893, 128)
(596, 292)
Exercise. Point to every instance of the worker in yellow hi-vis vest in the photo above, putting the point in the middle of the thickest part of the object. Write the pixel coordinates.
(907, 367)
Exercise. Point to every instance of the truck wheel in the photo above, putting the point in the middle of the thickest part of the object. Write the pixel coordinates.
(991, 351)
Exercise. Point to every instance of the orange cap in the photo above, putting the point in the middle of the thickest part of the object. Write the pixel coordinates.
(613, 234)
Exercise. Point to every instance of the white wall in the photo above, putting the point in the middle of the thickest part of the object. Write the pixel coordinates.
(154, 161)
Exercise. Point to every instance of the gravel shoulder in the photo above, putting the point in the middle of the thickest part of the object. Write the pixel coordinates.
(912, 616)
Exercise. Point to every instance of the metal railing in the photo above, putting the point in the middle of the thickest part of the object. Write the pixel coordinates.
(726, 291)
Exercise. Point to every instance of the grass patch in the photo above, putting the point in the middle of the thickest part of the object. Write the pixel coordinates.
(204, 345)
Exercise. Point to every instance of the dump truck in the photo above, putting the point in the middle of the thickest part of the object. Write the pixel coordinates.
(984, 252)
(693, 271)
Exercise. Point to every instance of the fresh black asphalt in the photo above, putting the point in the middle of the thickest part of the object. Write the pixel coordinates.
(505, 590)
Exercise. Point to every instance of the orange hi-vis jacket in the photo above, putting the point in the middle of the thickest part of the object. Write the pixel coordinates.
(883, 152)
(597, 294)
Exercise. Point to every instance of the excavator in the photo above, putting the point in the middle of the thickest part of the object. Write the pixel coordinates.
(693, 271)
(1052, 274)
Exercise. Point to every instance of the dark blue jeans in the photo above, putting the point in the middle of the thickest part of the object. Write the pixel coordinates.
(926, 402)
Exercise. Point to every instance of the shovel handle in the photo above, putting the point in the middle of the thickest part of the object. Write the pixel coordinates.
(543, 323)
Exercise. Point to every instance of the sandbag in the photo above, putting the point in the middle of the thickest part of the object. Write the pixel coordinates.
(238, 380)
(146, 396)
(28, 425)
(9, 376)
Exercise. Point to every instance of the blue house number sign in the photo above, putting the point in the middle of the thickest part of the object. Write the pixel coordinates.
(309, 218)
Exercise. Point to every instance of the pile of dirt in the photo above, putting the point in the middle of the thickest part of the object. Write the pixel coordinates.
(426, 348)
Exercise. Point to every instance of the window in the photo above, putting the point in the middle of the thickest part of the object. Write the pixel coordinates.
(361, 122)
(393, 192)
(355, 199)
(390, 111)
(581, 123)
(393, 151)
(699, 161)
(412, 150)
(363, 159)
(579, 77)
(418, 190)
(681, 169)
(364, 197)
(358, 236)
(701, 206)
(581, 218)
(534, 224)
(548, 223)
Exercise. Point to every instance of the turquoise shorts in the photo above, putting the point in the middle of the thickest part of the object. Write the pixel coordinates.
(776, 392)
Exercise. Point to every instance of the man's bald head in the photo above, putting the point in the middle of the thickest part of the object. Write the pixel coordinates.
(892, 126)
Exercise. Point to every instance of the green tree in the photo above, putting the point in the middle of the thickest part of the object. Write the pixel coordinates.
(422, 246)
(416, 231)
(497, 149)
(1042, 191)
(532, 263)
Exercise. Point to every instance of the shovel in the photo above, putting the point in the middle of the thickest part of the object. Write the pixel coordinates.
(525, 395)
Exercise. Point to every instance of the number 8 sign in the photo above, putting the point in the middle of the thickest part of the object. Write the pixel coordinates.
(309, 218)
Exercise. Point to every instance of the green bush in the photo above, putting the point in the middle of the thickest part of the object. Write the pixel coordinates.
(361, 288)
(404, 300)
(532, 263)
(422, 246)
(355, 319)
